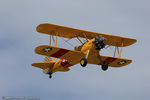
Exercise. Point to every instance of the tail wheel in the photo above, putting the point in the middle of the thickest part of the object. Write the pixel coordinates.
(83, 62)
(104, 66)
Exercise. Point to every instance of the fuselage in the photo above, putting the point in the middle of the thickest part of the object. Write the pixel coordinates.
(63, 65)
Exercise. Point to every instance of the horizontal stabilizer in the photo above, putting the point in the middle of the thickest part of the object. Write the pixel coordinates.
(61, 70)
(43, 65)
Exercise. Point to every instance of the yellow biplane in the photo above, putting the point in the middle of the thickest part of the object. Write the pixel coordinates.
(87, 52)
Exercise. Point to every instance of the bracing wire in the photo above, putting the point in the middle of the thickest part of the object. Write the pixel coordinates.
(107, 46)
(66, 41)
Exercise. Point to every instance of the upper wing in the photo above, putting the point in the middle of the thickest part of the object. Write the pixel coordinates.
(43, 65)
(67, 32)
(71, 56)
(111, 61)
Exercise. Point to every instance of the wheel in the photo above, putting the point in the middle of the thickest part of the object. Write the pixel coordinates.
(104, 66)
(83, 62)
(50, 75)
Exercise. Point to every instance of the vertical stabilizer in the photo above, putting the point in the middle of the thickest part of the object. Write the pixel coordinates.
(48, 59)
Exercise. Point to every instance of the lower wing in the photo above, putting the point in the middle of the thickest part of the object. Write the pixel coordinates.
(111, 61)
(72, 56)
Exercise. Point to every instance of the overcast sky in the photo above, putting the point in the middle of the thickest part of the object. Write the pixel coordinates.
(18, 38)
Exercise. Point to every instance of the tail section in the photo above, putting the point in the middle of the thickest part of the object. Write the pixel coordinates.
(48, 59)
(47, 65)
(43, 65)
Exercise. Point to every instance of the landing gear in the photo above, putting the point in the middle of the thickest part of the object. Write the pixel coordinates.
(83, 62)
(104, 66)
(50, 75)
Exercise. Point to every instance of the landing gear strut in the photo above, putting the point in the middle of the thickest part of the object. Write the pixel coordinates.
(50, 75)
(104, 64)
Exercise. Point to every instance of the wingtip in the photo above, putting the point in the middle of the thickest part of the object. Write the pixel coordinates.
(38, 28)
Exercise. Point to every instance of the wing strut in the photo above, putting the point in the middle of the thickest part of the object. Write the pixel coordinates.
(115, 52)
(100, 59)
(119, 51)
(80, 40)
(85, 37)
(54, 41)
